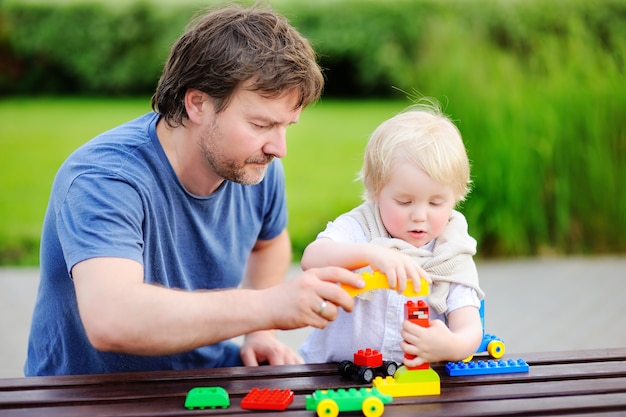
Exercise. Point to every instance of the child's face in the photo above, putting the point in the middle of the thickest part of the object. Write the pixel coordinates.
(413, 206)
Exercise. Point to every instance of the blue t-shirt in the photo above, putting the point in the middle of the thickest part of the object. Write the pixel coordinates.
(118, 196)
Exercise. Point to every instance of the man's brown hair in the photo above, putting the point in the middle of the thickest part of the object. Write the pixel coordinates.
(224, 47)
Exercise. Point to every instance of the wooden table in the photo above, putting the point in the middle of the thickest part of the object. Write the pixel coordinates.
(581, 383)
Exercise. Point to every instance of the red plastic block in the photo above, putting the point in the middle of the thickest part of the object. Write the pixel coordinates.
(266, 399)
(368, 357)
(418, 313)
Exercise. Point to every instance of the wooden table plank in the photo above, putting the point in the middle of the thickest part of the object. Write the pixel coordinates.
(471, 393)
(567, 383)
(591, 404)
(524, 384)
(596, 355)
(515, 407)
(591, 355)
(261, 372)
(547, 372)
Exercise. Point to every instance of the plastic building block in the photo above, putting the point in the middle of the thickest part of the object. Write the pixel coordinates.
(207, 397)
(367, 364)
(493, 345)
(408, 383)
(378, 280)
(266, 399)
(417, 380)
(368, 357)
(489, 367)
(328, 403)
(418, 313)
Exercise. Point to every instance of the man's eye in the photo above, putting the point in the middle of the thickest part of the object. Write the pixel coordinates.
(258, 126)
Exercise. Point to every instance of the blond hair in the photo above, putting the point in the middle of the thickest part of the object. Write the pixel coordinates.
(421, 135)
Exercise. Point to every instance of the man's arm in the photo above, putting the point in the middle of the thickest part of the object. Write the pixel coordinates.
(123, 314)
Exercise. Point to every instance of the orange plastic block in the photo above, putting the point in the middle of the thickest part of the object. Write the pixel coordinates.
(266, 399)
(378, 280)
(368, 357)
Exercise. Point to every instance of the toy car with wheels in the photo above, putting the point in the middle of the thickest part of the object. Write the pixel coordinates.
(368, 363)
(328, 403)
(366, 374)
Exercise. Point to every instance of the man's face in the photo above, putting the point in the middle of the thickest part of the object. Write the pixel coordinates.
(239, 143)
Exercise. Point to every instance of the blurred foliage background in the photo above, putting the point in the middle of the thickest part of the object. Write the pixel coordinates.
(537, 88)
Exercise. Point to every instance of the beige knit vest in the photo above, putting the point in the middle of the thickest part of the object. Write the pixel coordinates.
(449, 262)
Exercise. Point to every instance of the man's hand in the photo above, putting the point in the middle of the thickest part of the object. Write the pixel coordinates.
(263, 346)
(123, 314)
(312, 298)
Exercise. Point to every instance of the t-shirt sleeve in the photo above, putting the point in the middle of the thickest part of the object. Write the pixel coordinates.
(344, 229)
(461, 296)
(275, 202)
(101, 216)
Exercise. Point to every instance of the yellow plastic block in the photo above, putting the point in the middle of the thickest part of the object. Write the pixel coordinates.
(378, 280)
(409, 383)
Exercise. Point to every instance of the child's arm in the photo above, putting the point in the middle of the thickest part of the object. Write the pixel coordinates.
(457, 341)
(397, 266)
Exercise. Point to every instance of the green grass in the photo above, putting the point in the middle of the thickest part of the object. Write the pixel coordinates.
(548, 181)
(325, 152)
(36, 135)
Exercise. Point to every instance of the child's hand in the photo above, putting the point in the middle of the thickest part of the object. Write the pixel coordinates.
(427, 344)
(397, 266)
(454, 342)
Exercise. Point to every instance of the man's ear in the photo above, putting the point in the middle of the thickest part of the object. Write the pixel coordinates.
(196, 104)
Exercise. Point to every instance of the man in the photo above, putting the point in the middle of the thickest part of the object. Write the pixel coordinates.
(152, 226)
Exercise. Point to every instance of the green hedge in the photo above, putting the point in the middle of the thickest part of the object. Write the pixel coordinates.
(84, 48)
(367, 46)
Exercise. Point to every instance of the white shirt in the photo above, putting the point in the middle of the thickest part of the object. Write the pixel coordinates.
(377, 317)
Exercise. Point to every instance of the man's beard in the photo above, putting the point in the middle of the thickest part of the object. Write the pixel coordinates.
(231, 170)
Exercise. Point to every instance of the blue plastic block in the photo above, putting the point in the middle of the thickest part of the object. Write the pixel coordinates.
(489, 367)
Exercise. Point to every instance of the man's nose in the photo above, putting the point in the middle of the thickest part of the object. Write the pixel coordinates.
(277, 144)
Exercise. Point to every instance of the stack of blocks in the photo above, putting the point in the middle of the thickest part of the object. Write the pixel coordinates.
(420, 380)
